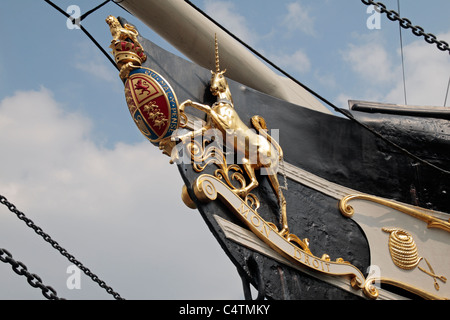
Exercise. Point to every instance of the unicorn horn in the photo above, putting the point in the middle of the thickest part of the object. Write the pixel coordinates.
(216, 53)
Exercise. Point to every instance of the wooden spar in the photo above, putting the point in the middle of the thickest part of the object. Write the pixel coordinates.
(169, 17)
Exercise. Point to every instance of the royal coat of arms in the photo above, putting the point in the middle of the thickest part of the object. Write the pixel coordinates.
(152, 102)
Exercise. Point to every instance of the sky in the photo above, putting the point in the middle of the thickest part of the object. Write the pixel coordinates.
(74, 162)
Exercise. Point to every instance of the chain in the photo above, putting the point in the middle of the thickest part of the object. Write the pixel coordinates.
(55, 245)
(33, 279)
(407, 24)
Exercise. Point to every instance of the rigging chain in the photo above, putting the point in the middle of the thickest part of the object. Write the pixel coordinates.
(407, 24)
(84, 29)
(33, 279)
(55, 245)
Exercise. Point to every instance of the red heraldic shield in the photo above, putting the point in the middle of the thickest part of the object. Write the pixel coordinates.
(152, 104)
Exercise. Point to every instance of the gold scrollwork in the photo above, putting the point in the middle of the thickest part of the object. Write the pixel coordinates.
(209, 188)
(206, 153)
(187, 200)
(253, 202)
(432, 222)
(369, 289)
(255, 151)
(203, 154)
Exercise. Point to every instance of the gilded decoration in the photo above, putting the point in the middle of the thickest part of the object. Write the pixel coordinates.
(257, 149)
(431, 221)
(154, 109)
(151, 100)
(233, 184)
(403, 249)
(405, 255)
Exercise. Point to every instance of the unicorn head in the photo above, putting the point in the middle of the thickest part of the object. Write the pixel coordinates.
(219, 85)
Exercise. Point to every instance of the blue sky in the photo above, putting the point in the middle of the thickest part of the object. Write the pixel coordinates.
(75, 163)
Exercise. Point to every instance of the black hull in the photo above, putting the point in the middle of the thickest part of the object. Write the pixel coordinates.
(315, 217)
(333, 148)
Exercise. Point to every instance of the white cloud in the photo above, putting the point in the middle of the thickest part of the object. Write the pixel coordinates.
(427, 71)
(299, 18)
(88, 59)
(118, 210)
(326, 80)
(298, 61)
(342, 101)
(226, 14)
(370, 61)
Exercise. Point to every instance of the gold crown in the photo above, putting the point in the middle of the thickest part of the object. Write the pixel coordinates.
(125, 52)
(125, 45)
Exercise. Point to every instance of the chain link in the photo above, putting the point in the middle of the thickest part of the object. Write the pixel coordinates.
(55, 245)
(407, 24)
(33, 279)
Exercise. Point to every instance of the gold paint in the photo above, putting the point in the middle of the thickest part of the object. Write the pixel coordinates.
(187, 199)
(421, 293)
(120, 33)
(253, 202)
(370, 290)
(404, 253)
(432, 274)
(266, 228)
(280, 243)
(203, 154)
(141, 125)
(223, 117)
(244, 210)
(216, 43)
(304, 244)
(206, 191)
(255, 221)
(298, 254)
(316, 263)
(403, 249)
(167, 145)
(432, 222)
(134, 55)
